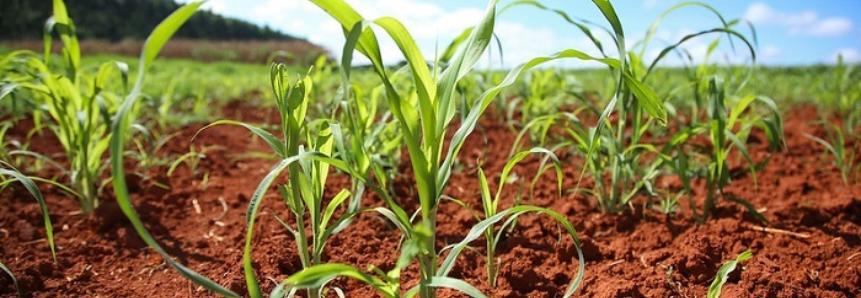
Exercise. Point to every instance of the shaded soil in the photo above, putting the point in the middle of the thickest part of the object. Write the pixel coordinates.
(638, 253)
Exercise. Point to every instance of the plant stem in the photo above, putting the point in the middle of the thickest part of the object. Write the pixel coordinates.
(491, 261)
(427, 260)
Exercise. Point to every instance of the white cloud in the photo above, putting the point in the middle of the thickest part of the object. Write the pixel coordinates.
(800, 23)
(831, 27)
(850, 55)
(650, 3)
(216, 6)
(770, 52)
(520, 43)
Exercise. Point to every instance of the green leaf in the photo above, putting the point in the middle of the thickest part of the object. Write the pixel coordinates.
(724, 271)
(274, 143)
(257, 198)
(64, 25)
(106, 70)
(743, 149)
(486, 200)
(318, 275)
(688, 37)
(119, 130)
(251, 217)
(339, 199)
(513, 161)
(14, 280)
(164, 31)
(452, 47)
(581, 24)
(451, 283)
(31, 187)
(475, 45)
(610, 15)
(479, 229)
(487, 97)
(7, 89)
(403, 224)
(653, 105)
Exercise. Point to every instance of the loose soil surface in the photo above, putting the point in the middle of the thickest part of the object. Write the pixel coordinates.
(638, 253)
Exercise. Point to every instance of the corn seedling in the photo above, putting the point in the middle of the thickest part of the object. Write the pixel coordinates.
(422, 129)
(192, 159)
(836, 146)
(841, 92)
(369, 142)
(490, 204)
(20, 101)
(11, 276)
(668, 202)
(80, 121)
(9, 174)
(542, 94)
(724, 271)
(724, 137)
(147, 147)
(307, 169)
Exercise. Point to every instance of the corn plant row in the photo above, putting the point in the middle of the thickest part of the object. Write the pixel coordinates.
(423, 130)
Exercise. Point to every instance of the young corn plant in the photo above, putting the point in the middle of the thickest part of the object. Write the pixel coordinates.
(840, 92)
(77, 105)
(490, 204)
(836, 146)
(146, 153)
(13, 73)
(307, 169)
(613, 150)
(724, 271)
(9, 174)
(366, 139)
(11, 276)
(424, 113)
(542, 94)
(723, 135)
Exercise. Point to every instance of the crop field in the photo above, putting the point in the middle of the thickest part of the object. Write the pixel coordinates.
(435, 177)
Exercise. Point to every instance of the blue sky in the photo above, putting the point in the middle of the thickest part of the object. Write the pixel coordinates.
(790, 32)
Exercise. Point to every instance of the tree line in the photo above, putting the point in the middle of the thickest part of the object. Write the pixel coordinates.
(117, 20)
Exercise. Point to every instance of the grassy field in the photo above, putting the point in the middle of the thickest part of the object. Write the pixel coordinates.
(341, 147)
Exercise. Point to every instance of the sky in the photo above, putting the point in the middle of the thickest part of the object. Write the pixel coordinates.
(789, 32)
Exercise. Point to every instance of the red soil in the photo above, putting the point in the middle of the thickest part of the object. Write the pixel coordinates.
(639, 253)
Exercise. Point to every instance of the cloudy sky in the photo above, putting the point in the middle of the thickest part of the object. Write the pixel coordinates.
(790, 32)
